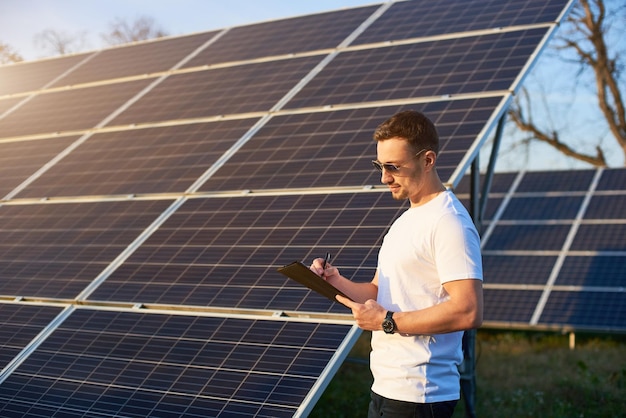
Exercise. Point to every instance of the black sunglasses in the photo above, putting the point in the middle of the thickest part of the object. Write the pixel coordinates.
(391, 168)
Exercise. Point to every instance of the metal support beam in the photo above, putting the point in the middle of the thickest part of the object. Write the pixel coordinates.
(497, 140)
(478, 203)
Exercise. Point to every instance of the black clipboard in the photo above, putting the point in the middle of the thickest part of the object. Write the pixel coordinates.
(303, 275)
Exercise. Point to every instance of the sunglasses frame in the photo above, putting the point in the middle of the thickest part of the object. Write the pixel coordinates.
(391, 168)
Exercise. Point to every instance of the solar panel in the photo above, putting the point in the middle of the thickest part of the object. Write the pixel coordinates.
(606, 207)
(103, 363)
(335, 148)
(518, 269)
(151, 160)
(225, 252)
(403, 20)
(558, 245)
(55, 250)
(425, 69)
(239, 89)
(152, 190)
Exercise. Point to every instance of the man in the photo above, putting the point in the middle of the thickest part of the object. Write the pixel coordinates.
(427, 287)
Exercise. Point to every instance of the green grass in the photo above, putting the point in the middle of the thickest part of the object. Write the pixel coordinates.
(518, 374)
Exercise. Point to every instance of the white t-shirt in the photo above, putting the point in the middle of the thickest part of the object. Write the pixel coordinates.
(425, 247)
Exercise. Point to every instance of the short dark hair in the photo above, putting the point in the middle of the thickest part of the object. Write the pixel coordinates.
(413, 126)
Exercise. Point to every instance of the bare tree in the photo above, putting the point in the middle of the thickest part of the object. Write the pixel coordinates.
(584, 41)
(141, 29)
(8, 54)
(59, 42)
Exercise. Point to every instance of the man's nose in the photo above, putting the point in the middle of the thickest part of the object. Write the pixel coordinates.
(385, 176)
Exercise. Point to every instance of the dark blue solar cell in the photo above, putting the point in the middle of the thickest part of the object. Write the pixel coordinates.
(510, 306)
(154, 160)
(556, 181)
(528, 237)
(252, 87)
(600, 237)
(586, 310)
(543, 208)
(612, 179)
(19, 160)
(135, 59)
(606, 207)
(595, 270)
(501, 183)
(517, 269)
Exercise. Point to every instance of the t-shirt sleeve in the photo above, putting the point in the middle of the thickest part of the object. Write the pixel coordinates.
(457, 249)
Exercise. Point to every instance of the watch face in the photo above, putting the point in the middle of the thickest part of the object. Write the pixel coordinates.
(388, 326)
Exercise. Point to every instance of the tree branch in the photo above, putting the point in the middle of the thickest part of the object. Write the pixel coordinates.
(586, 36)
(553, 140)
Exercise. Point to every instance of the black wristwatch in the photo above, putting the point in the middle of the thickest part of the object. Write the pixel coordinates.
(389, 325)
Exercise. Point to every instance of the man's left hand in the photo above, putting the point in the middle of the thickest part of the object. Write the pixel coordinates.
(368, 316)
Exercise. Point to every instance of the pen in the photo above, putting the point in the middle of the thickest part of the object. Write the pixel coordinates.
(326, 261)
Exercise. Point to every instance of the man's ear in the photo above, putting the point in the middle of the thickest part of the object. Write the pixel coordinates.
(430, 158)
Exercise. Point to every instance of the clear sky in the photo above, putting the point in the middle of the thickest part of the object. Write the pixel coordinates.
(21, 20)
